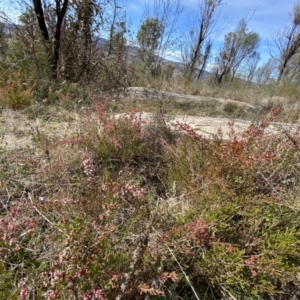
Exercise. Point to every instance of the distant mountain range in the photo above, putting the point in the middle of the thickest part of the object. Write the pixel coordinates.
(7, 28)
(133, 54)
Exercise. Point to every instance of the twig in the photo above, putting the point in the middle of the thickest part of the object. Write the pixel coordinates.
(40, 213)
(292, 140)
(187, 279)
(227, 292)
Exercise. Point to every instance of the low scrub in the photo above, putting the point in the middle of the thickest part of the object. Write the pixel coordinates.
(15, 94)
(123, 210)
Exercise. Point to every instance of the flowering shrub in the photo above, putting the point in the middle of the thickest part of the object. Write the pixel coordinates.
(105, 215)
(242, 185)
(112, 137)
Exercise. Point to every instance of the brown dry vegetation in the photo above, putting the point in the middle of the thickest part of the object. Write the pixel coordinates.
(97, 207)
(98, 203)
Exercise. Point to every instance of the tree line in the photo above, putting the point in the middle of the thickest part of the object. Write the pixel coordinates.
(64, 40)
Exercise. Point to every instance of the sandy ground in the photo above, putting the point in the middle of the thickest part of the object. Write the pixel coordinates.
(210, 126)
(18, 131)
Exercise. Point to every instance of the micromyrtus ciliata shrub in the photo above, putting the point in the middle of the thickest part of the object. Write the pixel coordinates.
(121, 218)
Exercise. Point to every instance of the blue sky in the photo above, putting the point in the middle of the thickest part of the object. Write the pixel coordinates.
(266, 18)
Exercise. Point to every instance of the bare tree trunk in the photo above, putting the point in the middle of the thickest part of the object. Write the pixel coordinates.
(288, 43)
(205, 59)
(238, 46)
(192, 58)
(60, 10)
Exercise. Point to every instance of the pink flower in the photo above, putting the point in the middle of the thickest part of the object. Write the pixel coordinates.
(10, 227)
(98, 294)
(50, 295)
(116, 143)
(250, 260)
(23, 293)
(88, 165)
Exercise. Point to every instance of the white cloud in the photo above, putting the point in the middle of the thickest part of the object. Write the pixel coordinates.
(9, 15)
(173, 55)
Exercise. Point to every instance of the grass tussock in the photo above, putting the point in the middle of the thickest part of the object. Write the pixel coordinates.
(121, 209)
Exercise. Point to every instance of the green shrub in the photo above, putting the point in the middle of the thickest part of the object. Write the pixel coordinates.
(128, 215)
(230, 108)
(15, 94)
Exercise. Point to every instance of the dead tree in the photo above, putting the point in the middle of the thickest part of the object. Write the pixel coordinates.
(52, 47)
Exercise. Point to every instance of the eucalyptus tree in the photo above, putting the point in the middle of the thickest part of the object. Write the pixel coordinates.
(118, 28)
(79, 52)
(238, 46)
(52, 44)
(265, 74)
(196, 50)
(3, 40)
(68, 32)
(117, 41)
(287, 43)
(148, 40)
(160, 17)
